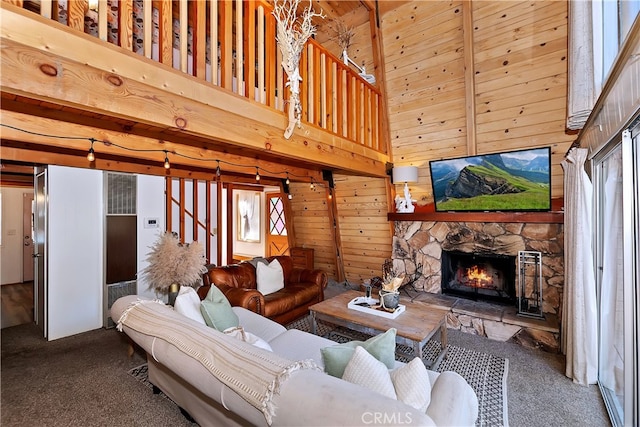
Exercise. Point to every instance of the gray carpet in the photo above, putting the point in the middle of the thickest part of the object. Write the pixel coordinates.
(76, 381)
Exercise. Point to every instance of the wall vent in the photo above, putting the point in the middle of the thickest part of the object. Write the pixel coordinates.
(117, 290)
(121, 194)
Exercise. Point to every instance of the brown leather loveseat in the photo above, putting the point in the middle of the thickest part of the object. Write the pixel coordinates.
(302, 288)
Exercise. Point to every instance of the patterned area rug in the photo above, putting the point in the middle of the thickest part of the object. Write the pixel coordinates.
(485, 373)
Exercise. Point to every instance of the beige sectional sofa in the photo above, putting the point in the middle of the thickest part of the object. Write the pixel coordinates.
(221, 380)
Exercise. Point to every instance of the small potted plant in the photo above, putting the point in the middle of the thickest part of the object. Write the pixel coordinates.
(172, 264)
(390, 289)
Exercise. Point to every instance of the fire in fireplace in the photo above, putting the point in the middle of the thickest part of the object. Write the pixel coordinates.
(479, 277)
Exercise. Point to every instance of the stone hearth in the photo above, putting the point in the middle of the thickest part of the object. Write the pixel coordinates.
(422, 242)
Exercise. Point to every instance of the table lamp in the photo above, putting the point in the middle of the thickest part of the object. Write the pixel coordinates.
(405, 174)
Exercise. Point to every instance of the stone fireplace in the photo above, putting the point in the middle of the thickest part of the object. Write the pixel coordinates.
(426, 246)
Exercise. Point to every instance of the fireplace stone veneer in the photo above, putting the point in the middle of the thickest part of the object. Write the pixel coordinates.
(421, 243)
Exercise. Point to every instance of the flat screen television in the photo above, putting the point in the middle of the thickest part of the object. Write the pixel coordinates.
(508, 181)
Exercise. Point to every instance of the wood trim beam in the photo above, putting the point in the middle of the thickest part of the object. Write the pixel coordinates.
(469, 76)
(229, 203)
(207, 222)
(380, 73)
(334, 225)
(182, 208)
(168, 188)
(194, 209)
(219, 240)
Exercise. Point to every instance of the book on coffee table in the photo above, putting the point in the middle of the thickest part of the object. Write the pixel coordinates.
(372, 306)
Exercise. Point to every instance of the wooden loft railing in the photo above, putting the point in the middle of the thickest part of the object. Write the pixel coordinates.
(236, 38)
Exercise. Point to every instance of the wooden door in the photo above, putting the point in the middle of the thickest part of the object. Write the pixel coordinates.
(277, 239)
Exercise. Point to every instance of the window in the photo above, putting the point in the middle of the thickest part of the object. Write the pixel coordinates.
(612, 21)
(593, 53)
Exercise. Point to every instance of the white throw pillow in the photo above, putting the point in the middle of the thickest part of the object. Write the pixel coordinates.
(188, 304)
(269, 278)
(365, 370)
(239, 333)
(412, 384)
(409, 383)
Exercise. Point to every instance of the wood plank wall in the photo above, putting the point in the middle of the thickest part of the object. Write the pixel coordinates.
(361, 49)
(365, 232)
(362, 234)
(520, 60)
(312, 228)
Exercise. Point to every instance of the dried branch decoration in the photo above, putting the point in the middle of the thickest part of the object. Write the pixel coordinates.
(292, 35)
(173, 262)
(344, 35)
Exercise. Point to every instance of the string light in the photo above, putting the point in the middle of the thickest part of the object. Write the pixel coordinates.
(91, 156)
(167, 165)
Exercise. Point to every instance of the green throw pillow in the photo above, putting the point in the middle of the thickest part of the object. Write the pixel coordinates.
(216, 310)
(382, 347)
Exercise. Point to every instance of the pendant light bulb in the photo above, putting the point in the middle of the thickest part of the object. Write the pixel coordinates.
(257, 174)
(218, 172)
(92, 155)
(311, 186)
(167, 165)
(287, 181)
(289, 196)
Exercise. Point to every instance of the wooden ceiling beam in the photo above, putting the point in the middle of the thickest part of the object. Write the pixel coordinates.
(32, 129)
(28, 154)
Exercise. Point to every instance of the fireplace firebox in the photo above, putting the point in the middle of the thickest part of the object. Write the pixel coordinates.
(481, 277)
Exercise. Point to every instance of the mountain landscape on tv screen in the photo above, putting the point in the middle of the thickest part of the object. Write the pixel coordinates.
(508, 181)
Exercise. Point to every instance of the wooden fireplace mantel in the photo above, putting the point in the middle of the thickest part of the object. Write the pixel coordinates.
(428, 213)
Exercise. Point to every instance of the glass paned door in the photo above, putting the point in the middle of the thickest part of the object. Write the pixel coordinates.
(617, 183)
(610, 280)
(277, 239)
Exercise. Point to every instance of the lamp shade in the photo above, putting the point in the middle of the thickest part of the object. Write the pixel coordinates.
(405, 174)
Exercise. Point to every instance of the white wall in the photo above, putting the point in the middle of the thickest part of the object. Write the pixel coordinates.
(76, 245)
(11, 249)
(150, 205)
(75, 251)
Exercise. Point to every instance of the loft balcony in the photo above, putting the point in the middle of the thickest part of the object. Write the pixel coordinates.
(198, 80)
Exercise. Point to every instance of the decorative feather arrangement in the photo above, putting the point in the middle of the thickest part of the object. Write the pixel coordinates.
(172, 262)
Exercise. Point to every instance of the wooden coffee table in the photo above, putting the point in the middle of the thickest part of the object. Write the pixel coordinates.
(414, 327)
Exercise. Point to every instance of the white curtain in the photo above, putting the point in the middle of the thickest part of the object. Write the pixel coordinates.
(249, 209)
(611, 293)
(581, 93)
(579, 307)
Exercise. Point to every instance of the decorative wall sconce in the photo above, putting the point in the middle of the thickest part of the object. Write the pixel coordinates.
(405, 174)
